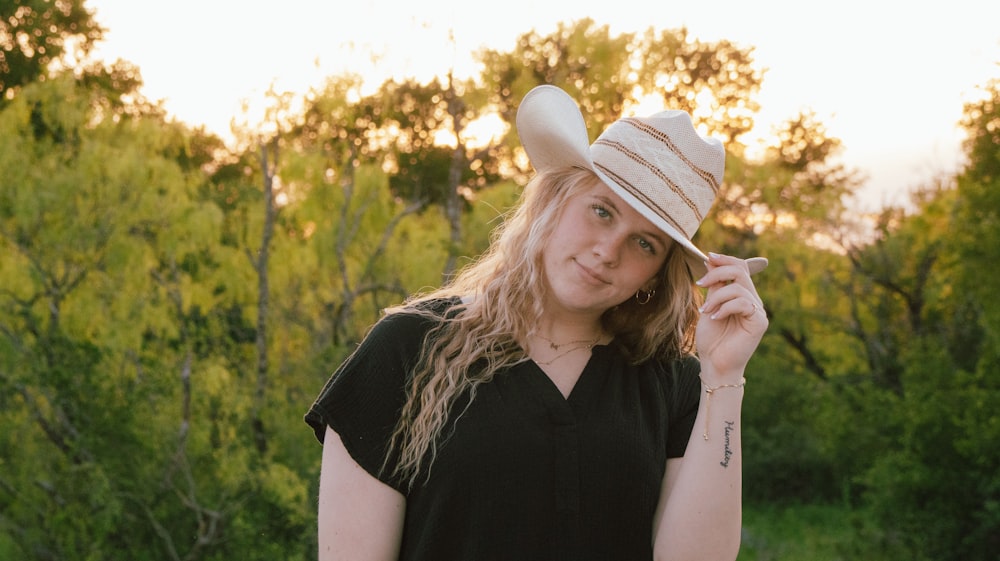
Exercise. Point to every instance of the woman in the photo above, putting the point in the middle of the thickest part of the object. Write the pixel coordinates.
(547, 404)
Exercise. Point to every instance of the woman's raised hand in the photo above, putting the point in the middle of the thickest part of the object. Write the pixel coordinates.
(733, 319)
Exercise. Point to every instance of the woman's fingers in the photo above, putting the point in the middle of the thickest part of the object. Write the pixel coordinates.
(732, 300)
(731, 292)
(723, 269)
(733, 317)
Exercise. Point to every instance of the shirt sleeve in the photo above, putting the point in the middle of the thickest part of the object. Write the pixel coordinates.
(683, 399)
(363, 398)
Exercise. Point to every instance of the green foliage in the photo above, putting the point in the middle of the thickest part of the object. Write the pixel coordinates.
(124, 339)
(978, 215)
(816, 531)
(38, 32)
(716, 82)
(783, 438)
(934, 494)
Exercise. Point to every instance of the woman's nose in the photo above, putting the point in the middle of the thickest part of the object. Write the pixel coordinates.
(608, 250)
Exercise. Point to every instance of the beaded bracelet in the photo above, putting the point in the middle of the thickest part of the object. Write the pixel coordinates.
(708, 399)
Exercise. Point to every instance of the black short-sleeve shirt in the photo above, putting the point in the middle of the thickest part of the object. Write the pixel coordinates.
(524, 474)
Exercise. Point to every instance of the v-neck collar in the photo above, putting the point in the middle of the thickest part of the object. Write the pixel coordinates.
(572, 407)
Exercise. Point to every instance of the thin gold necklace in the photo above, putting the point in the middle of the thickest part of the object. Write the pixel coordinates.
(556, 346)
(581, 344)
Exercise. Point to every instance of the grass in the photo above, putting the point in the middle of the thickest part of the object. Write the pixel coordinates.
(797, 532)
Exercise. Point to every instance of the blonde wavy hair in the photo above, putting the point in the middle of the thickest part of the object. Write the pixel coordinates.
(498, 305)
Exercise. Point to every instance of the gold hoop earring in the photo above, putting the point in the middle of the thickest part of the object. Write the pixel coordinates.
(643, 298)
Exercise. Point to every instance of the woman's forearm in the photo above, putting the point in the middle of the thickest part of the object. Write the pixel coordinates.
(702, 510)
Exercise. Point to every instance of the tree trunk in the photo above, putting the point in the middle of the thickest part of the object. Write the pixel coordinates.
(268, 165)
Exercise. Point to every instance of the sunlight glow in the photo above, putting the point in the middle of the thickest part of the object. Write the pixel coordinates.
(477, 134)
(895, 120)
(484, 131)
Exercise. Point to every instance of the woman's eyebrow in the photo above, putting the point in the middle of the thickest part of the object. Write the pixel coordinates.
(608, 202)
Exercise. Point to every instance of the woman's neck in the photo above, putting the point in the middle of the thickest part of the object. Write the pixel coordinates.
(565, 330)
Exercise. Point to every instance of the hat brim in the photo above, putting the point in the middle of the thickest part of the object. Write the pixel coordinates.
(552, 130)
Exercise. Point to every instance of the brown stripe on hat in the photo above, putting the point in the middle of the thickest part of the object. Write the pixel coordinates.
(663, 137)
(644, 199)
(654, 170)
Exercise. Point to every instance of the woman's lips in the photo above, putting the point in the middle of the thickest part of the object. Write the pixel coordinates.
(590, 275)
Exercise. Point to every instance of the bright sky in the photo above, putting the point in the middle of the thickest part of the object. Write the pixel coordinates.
(889, 78)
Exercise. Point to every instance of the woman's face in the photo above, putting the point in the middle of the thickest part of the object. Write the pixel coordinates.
(601, 252)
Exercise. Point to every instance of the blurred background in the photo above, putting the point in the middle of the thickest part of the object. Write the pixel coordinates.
(204, 206)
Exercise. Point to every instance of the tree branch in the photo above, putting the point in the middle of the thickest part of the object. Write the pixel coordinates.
(800, 344)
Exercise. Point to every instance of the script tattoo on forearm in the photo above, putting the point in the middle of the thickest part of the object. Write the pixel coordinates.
(727, 447)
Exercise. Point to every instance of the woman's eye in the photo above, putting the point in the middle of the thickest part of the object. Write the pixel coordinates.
(646, 246)
(601, 211)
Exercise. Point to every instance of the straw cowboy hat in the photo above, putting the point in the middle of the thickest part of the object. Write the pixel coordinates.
(659, 165)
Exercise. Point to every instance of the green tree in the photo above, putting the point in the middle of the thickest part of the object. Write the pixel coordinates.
(932, 485)
(400, 127)
(36, 33)
(940, 488)
(979, 187)
(78, 199)
(126, 340)
(925, 405)
(607, 75)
